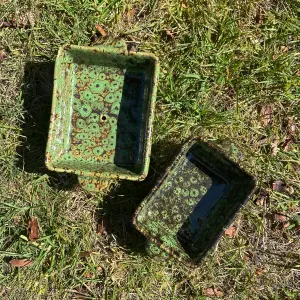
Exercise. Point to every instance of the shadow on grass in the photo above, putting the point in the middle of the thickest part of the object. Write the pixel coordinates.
(37, 96)
(119, 205)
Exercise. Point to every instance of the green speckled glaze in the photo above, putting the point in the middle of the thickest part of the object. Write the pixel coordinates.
(102, 113)
(193, 202)
(92, 184)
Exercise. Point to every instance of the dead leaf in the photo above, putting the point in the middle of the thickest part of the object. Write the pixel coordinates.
(259, 271)
(100, 229)
(287, 145)
(246, 257)
(26, 19)
(3, 55)
(33, 228)
(184, 5)
(258, 17)
(81, 293)
(251, 256)
(274, 147)
(292, 127)
(298, 73)
(102, 226)
(286, 224)
(284, 49)
(289, 189)
(211, 292)
(279, 186)
(88, 274)
(279, 218)
(289, 139)
(19, 263)
(31, 18)
(99, 269)
(169, 33)
(101, 30)
(7, 24)
(261, 199)
(131, 13)
(230, 231)
(266, 114)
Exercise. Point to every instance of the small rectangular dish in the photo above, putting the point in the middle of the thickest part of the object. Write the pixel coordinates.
(194, 201)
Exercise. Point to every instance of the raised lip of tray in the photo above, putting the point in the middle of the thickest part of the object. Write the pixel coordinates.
(189, 262)
(148, 139)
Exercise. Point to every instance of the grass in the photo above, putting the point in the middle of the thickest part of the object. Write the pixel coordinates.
(224, 61)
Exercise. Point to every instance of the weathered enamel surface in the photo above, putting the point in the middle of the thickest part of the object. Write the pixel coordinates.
(193, 202)
(102, 113)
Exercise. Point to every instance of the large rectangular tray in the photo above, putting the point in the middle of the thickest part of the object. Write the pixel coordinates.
(102, 112)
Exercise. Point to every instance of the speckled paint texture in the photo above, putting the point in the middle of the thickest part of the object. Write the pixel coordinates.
(102, 113)
(193, 202)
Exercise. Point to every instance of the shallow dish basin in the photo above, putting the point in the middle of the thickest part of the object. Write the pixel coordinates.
(193, 202)
(102, 112)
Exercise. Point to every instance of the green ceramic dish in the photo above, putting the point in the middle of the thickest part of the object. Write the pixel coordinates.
(194, 201)
(102, 113)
